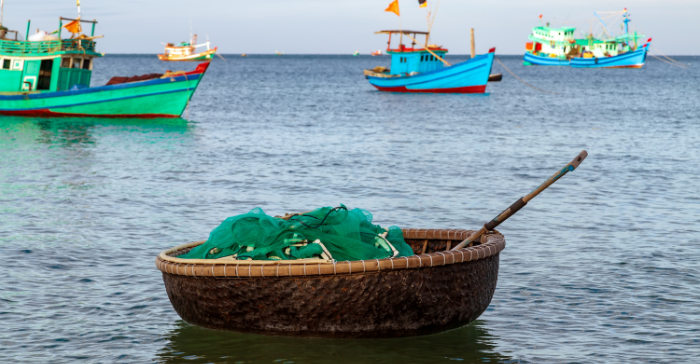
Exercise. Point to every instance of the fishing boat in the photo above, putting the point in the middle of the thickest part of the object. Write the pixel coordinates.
(448, 282)
(187, 51)
(559, 47)
(424, 69)
(51, 76)
(357, 53)
(378, 52)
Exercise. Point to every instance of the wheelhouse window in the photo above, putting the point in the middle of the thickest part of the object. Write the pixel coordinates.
(6, 64)
(76, 62)
(86, 64)
(65, 63)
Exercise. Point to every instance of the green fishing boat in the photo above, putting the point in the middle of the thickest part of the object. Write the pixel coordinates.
(48, 76)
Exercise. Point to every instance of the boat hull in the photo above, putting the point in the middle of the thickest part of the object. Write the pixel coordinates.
(634, 59)
(198, 57)
(165, 97)
(533, 60)
(467, 77)
(393, 297)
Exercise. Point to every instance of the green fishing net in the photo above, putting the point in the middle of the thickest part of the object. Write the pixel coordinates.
(326, 233)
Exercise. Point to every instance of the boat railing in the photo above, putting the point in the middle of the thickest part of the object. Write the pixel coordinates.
(46, 46)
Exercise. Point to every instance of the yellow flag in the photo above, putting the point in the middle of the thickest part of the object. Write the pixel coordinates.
(422, 3)
(394, 7)
(74, 26)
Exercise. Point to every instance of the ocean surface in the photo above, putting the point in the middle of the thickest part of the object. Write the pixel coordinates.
(603, 267)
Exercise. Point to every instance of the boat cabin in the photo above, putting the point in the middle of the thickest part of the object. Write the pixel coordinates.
(52, 64)
(591, 47)
(557, 42)
(413, 60)
(183, 50)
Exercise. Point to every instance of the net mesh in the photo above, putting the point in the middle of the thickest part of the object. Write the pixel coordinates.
(327, 233)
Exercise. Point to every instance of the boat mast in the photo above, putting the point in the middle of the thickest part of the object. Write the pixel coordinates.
(2, 10)
(626, 15)
(78, 8)
(432, 21)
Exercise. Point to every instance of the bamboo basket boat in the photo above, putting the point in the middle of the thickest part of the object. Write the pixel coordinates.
(448, 282)
(434, 290)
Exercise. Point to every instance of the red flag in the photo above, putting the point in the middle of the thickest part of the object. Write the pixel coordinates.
(394, 7)
(540, 16)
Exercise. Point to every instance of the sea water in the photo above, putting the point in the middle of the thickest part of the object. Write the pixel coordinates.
(601, 267)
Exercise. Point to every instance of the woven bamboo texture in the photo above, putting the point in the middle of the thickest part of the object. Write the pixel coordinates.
(422, 294)
(431, 243)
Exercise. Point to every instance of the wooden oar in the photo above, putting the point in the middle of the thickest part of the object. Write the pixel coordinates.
(503, 216)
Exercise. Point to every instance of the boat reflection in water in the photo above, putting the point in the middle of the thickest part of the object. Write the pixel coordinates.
(469, 344)
(78, 131)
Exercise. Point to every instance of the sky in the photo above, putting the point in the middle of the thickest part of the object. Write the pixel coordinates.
(344, 26)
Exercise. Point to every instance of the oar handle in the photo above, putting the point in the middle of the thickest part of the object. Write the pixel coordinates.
(510, 211)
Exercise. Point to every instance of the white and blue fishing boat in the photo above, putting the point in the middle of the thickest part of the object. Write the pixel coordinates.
(425, 69)
(559, 47)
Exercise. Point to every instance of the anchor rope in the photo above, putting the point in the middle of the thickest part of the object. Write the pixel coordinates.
(519, 79)
(669, 58)
(672, 64)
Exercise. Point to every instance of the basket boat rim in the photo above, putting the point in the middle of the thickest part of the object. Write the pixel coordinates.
(491, 244)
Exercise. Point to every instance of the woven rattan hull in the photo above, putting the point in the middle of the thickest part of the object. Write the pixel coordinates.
(423, 294)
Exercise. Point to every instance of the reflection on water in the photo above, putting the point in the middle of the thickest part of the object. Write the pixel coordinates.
(469, 344)
(76, 132)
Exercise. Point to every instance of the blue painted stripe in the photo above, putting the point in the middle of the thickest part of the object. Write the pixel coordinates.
(121, 86)
(447, 76)
(544, 61)
(100, 101)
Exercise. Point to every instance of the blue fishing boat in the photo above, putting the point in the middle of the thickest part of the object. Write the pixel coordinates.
(559, 47)
(425, 69)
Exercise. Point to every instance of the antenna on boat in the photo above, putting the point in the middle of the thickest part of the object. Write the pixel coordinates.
(78, 1)
(427, 17)
(430, 26)
(626, 15)
(191, 42)
(2, 10)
